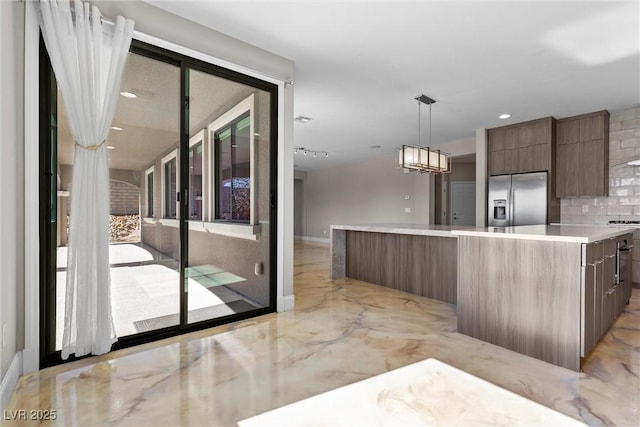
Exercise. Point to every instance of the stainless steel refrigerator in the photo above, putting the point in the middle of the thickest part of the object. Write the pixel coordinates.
(519, 199)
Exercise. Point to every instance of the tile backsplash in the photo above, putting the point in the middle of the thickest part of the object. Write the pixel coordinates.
(623, 202)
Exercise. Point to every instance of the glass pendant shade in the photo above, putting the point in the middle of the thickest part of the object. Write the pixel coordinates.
(423, 159)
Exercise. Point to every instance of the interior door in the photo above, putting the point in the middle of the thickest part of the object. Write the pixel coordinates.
(298, 207)
(463, 203)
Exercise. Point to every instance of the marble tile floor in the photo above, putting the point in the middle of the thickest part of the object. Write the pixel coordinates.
(340, 332)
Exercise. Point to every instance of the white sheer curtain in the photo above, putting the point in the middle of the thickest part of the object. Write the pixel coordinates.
(88, 58)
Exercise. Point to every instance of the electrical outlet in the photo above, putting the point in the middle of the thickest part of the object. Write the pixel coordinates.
(585, 208)
(407, 210)
(324, 232)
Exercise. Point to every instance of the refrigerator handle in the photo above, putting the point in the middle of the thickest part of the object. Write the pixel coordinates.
(512, 211)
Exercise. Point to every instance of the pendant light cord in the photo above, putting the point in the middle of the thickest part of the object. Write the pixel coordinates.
(419, 127)
(430, 124)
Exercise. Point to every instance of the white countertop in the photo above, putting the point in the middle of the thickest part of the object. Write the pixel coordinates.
(413, 229)
(550, 233)
(425, 393)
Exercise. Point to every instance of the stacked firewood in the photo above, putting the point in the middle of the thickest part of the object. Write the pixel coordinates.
(124, 228)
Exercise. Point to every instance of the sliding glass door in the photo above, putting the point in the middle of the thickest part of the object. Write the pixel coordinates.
(229, 197)
(192, 165)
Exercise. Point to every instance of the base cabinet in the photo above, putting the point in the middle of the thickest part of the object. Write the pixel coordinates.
(551, 300)
(603, 298)
(588, 329)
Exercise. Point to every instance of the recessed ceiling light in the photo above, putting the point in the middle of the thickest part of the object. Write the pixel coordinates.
(256, 134)
(504, 116)
(116, 128)
(375, 146)
(303, 119)
(128, 94)
(111, 147)
(634, 162)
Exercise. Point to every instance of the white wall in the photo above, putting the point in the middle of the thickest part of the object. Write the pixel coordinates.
(371, 191)
(11, 181)
(459, 147)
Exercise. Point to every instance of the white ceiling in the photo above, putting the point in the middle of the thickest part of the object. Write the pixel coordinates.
(359, 64)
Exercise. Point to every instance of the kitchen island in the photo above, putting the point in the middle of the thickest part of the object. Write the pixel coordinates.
(417, 258)
(547, 291)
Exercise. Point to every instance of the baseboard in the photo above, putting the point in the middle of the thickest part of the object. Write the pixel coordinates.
(10, 380)
(289, 302)
(30, 360)
(313, 239)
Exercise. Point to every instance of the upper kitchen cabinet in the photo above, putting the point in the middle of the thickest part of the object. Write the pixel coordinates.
(582, 155)
(521, 148)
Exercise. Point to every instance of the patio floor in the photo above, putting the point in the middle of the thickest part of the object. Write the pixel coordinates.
(145, 290)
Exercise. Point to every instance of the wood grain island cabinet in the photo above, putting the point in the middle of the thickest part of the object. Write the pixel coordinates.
(604, 298)
(548, 292)
(419, 259)
(582, 155)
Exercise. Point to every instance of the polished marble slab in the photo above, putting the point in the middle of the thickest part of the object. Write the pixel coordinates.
(340, 332)
(426, 393)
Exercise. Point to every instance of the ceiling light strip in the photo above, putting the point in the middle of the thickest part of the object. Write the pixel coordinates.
(306, 152)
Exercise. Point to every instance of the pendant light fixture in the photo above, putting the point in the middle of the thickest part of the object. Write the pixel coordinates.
(423, 159)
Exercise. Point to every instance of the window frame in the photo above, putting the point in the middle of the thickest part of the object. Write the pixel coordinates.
(166, 159)
(201, 138)
(241, 108)
(149, 192)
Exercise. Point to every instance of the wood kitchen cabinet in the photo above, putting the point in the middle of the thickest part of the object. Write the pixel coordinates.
(603, 299)
(623, 290)
(591, 296)
(522, 147)
(549, 299)
(582, 155)
(608, 293)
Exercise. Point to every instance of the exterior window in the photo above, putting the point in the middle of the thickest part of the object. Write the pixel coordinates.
(170, 185)
(149, 191)
(196, 168)
(233, 171)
